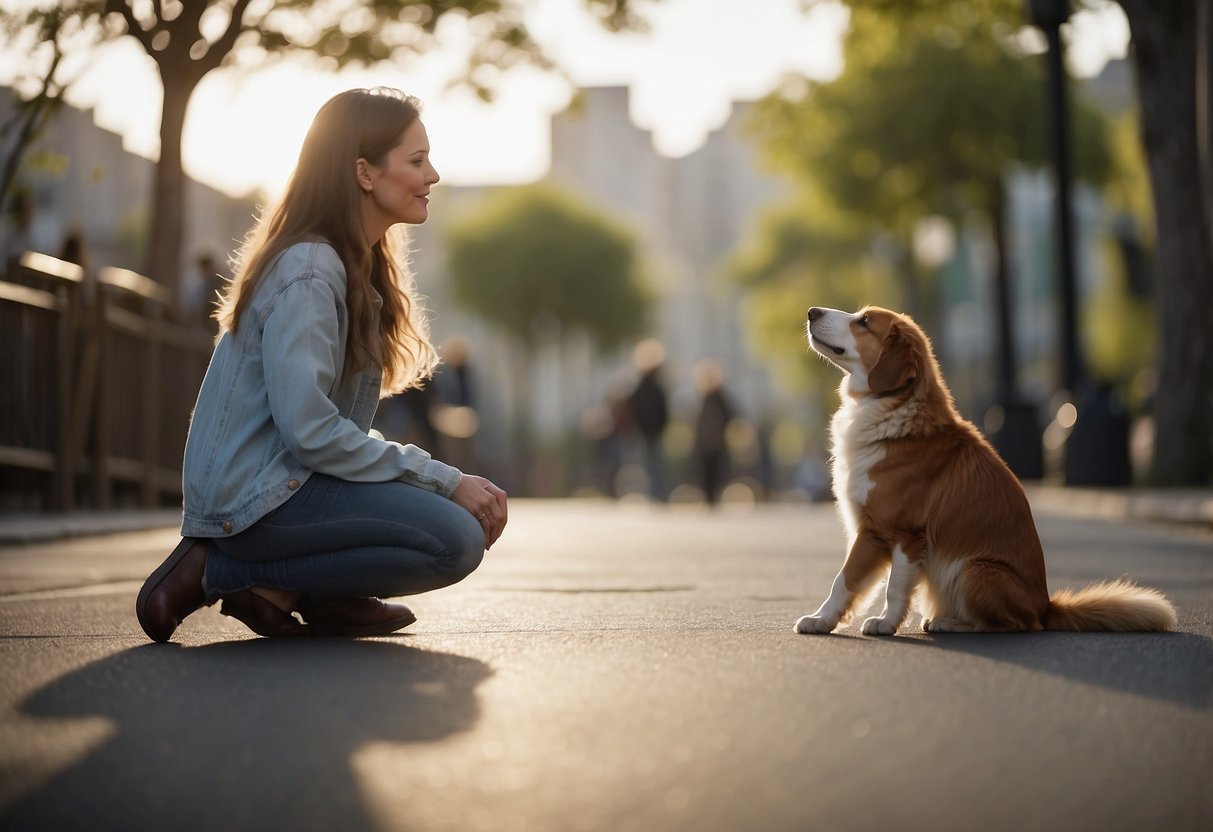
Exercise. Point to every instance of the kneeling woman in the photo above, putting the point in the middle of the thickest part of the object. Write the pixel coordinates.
(290, 506)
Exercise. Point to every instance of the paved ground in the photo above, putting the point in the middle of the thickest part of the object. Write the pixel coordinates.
(609, 667)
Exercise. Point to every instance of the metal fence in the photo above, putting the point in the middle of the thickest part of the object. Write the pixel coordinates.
(96, 387)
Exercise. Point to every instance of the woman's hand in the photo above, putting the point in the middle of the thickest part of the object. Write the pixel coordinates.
(486, 502)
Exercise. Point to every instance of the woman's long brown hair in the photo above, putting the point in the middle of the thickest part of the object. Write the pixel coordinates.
(323, 202)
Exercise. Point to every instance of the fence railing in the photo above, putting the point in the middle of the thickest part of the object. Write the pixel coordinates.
(96, 387)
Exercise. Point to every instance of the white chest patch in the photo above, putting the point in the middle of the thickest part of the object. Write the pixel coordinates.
(856, 449)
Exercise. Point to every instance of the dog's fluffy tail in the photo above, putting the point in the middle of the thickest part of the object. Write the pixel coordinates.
(1110, 606)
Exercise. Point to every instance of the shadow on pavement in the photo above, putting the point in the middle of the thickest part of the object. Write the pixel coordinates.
(242, 735)
(1175, 667)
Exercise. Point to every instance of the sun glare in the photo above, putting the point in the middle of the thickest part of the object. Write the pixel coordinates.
(244, 132)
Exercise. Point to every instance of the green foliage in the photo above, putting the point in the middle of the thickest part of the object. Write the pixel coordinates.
(923, 120)
(937, 103)
(47, 36)
(1128, 190)
(804, 254)
(535, 262)
(192, 38)
(1120, 327)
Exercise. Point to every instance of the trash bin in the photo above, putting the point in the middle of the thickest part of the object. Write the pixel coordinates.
(1014, 430)
(1097, 450)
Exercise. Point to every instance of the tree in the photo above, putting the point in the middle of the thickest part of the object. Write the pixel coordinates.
(534, 260)
(187, 40)
(924, 120)
(1171, 51)
(54, 32)
(1169, 40)
(539, 266)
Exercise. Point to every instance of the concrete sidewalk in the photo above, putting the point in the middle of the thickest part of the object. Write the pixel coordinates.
(1192, 507)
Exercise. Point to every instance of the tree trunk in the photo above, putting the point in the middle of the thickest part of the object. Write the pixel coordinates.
(167, 227)
(1164, 40)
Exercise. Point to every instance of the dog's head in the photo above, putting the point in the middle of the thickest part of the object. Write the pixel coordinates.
(882, 353)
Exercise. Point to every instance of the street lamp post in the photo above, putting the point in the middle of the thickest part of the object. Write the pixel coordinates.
(1049, 15)
(1097, 448)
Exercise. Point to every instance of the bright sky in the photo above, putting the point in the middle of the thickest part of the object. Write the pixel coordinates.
(244, 129)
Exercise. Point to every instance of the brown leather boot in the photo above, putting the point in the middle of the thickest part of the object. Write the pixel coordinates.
(174, 590)
(261, 616)
(353, 616)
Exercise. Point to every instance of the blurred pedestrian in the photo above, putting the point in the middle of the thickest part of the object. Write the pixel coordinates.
(454, 410)
(203, 290)
(407, 416)
(290, 505)
(75, 250)
(454, 375)
(711, 426)
(603, 426)
(17, 228)
(650, 412)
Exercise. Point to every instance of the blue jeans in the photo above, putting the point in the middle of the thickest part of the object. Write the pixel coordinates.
(340, 538)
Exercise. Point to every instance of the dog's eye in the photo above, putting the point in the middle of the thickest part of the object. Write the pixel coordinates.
(863, 322)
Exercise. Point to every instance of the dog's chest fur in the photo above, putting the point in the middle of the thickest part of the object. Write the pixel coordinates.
(857, 448)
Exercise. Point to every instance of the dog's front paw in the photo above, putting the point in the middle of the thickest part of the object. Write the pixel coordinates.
(815, 624)
(879, 627)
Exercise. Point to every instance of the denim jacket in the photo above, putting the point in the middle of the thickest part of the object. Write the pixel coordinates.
(277, 405)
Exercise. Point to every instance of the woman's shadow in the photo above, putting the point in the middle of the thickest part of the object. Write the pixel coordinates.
(241, 735)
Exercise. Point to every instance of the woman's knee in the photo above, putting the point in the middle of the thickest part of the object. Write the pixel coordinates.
(466, 546)
(463, 564)
(462, 541)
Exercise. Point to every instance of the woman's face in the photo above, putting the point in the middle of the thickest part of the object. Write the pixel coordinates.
(399, 191)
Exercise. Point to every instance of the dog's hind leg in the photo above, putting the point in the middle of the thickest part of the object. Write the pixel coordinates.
(903, 579)
(989, 597)
(950, 625)
(861, 568)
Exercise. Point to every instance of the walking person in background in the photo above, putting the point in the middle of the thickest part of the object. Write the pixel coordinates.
(16, 232)
(650, 412)
(290, 506)
(202, 290)
(711, 426)
(455, 416)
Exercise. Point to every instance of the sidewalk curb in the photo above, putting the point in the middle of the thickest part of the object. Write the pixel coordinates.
(23, 529)
(1188, 507)
(1180, 506)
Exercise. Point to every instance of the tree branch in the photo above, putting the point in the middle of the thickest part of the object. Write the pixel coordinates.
(227, 41)
(32, 116)
(133, 27)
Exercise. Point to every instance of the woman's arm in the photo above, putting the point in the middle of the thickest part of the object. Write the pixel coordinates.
(301, 352)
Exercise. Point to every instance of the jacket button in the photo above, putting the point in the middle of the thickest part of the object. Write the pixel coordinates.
(227, 527)
(293, 484)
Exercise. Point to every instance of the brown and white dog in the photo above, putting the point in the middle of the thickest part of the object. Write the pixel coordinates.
(927, 501)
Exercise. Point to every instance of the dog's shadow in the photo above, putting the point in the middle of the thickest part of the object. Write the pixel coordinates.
(230, 735)
(1174, 667)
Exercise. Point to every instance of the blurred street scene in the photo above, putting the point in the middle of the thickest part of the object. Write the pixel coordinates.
(640, 199)
(937, 195)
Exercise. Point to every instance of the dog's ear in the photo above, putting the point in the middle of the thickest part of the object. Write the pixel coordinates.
(897, 365)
